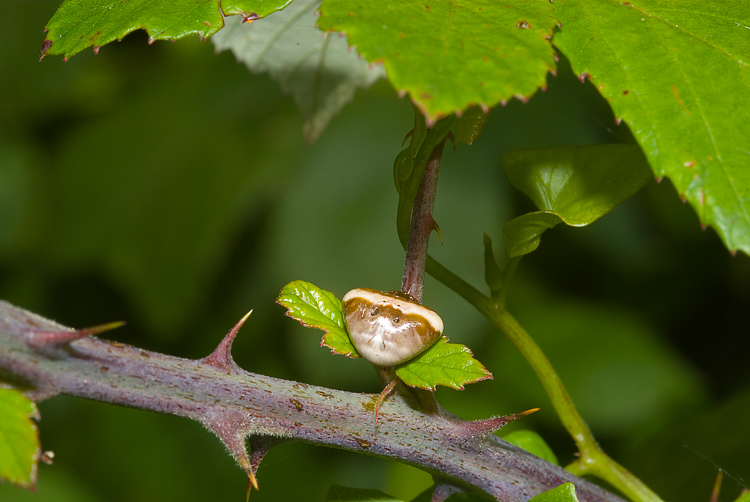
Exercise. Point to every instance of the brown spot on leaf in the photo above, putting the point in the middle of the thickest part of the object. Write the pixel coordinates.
(297, 404)
(523, 25)
(321, 393)
(249, 18)
(689, 164)
(207, 23)
(583, 76)
(625, 92)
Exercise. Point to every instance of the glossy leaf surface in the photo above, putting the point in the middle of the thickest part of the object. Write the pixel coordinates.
(563, 493)
(572, 185)
(19, 439)
(533, 443)
(317, 308)
(318, 69)
(448, 364)
(79, 24)
(678, 73)
(450, 55)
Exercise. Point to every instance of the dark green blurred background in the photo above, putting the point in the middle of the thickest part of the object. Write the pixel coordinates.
(165, 186)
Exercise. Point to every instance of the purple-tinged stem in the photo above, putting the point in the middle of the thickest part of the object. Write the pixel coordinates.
(422, 225)
(236, 404)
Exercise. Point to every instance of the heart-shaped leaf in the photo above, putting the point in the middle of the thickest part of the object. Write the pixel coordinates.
(678, 73)
(19, 439)
(572, 185)
(450, 55)
(448, 364)
(318, 69)
(79, 24)
(317, 308)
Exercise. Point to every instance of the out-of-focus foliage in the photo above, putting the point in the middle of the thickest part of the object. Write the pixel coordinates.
(571, 185)
(124, 198)
(532, 442)
(320, 70)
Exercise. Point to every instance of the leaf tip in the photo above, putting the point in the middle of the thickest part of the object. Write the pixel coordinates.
(45, 47)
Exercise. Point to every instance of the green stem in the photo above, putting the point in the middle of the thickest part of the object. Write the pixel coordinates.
(592, 459)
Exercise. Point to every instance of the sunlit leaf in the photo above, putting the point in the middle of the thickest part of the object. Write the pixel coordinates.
(19, 439)
(572, 185)
(678, 73)
(79, 24)
(317, 308)
(563, 493)
(451, 55)
(448, 364)
(318, 69)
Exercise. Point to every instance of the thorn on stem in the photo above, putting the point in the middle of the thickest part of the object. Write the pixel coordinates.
(388, 389)
(221, 358)
(480, 428)
(42, 339)
(436, 228)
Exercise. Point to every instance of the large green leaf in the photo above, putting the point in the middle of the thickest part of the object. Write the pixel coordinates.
(319, 70)
(448, 364)
(78, 24)
(678, 73)
(571, 185)
(449, 55)
(19, 439)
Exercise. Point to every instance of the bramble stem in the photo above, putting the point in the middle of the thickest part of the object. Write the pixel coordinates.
(422, 225)
(235, 404)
